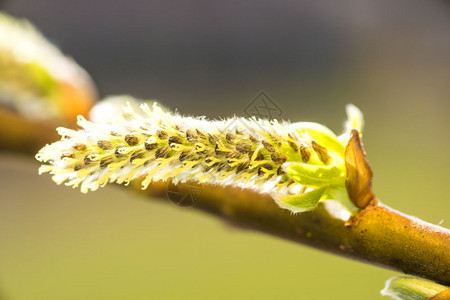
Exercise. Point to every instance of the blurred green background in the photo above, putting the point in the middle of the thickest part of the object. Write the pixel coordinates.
(391, 59)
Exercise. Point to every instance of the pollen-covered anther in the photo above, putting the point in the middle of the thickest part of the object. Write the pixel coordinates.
(79, 147)
(321, 151)
(280, 171)
(186, 156)
(278, 158)
(131, 139)
(230, 137)
(105, 162)
(191, 135)
(268, 146)
(162, 135)
(257, 156)
(253, 139)
(86, 160)
(293, 145)
(305, 153)
(104, 145)
(162, 152)
(137, 155)
(150, 146)
(175, 140)
(242, 167)
(243, 147)
(212, 139)
(118, 152)
(175, 143)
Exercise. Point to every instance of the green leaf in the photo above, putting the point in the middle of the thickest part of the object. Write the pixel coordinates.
(355, 118)
(300, 203)
(314, 175)
(413, 288)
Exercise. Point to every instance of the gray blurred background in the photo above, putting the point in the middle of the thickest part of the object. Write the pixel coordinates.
(391, 59)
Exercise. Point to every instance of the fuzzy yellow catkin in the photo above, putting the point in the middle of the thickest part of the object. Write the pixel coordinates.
(155, 144)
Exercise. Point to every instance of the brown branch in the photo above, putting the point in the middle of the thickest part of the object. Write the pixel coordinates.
(18, 134)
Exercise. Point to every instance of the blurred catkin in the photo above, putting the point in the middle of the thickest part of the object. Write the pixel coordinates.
(36, 80)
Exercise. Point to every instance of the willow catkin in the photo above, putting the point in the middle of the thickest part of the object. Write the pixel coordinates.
(162, 145)
(303, 161)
